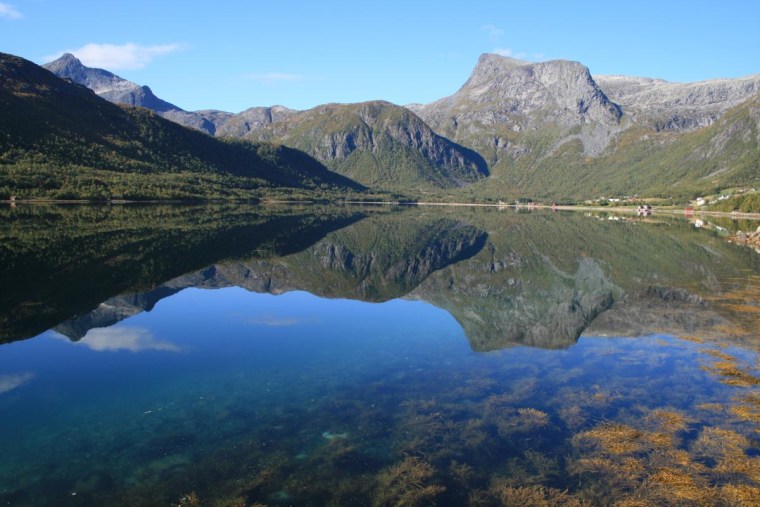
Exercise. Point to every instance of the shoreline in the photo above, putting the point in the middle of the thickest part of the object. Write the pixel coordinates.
(615, 209)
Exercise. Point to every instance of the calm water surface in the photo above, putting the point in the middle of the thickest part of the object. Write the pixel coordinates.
(370, 356)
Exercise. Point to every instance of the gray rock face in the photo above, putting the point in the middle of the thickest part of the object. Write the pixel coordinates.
(505, 98)
(504, 90)
(557, 91)
(678, 106)
(121, 91)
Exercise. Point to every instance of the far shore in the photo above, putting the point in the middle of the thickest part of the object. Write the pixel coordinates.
(614, 209)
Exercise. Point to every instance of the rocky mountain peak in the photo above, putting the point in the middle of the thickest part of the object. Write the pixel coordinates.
(560, 85)
(67, 60)
(69, 66)
(108, 85)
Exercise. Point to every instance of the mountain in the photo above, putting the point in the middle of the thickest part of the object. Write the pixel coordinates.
(377, 143)
(59, 139)
(121, 91)
(550, 130)
(654, 163)
(252, 119)
(547, 130)
(107, 85)
(678, 106)
(512, 109)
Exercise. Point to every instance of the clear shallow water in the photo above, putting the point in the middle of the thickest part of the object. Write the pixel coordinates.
(221, 395)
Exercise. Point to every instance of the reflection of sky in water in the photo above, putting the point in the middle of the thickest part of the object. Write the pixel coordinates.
(295, 383)
(10, 382)
(133, 339)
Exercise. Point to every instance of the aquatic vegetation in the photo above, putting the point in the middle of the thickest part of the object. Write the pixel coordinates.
(409, 482)
(741, 495)
(531, 496)
(719, 354)
(521, 420)
(712, 407)
(668, 420)
(611, 438)
(461, 472)
(668, 484)
(730, 374)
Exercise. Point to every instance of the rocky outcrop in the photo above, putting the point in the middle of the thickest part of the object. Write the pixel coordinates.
(677, 106)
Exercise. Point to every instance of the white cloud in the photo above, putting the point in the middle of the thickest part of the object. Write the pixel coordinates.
(271, 78)
(133, 339)
(503, 51)
(510, 53)
(11, 382)
(494, 32)
(118, 57)
(9, 11)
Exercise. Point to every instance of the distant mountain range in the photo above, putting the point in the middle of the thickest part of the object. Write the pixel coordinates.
(60, 140)
(515, 129)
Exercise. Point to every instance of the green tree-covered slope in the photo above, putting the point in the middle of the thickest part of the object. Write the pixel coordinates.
(378, 144)
(59, 140)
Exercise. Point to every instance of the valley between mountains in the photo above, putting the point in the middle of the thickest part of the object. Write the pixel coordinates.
(515, 129)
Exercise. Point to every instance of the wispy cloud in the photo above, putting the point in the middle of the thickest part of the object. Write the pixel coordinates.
(118, 57)
(271, 78)
(9, 12)
(11, 382)
(520, 55)
(271, 321)
(494, 32)
(133, 339)
(509, 52)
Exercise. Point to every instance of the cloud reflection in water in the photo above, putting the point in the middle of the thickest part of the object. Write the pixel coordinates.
(133, 339)
(11, 382)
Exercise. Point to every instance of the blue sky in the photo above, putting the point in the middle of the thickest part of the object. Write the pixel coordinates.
(234, 55)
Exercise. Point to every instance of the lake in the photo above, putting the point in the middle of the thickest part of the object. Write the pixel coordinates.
(366, 355)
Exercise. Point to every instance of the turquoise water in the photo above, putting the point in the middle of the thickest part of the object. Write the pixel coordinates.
(222, 385)
(199, 392)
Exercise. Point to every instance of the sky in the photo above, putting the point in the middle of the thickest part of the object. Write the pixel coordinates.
(232, 55)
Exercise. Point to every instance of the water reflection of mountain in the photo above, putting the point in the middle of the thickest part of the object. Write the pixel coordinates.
(535, 279)
(544, 279)
(379, 258)
(58, 262)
